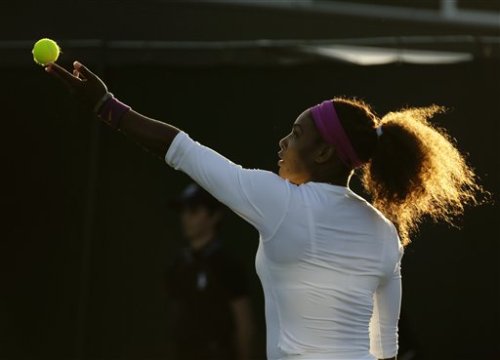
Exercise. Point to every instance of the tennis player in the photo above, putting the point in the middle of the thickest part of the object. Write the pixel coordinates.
(329, 261)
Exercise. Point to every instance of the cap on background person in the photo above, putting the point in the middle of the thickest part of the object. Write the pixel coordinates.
(193, 196)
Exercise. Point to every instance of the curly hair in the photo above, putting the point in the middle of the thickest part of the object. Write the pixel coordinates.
(413, 170)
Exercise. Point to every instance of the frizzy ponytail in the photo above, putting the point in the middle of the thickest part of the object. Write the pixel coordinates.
(413, 168)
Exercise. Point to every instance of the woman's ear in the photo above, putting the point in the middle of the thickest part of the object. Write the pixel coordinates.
(324, 153)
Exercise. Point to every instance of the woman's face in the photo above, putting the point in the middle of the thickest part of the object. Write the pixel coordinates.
(299, 150)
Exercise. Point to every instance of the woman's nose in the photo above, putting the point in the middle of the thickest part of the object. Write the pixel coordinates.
(282, 143)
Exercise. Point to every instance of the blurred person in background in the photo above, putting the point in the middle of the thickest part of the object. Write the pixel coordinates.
(209, 303)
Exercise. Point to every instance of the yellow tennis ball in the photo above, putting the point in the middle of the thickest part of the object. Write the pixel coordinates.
(45, 51)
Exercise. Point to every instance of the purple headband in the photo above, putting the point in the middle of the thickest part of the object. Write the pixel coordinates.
(328, 124)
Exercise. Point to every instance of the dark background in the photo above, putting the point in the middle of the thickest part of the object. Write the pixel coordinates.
(86, 232)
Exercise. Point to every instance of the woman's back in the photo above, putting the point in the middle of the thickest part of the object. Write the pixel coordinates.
(320, 271)
(323, 253)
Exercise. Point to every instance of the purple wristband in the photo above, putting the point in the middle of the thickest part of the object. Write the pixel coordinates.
(112, 111)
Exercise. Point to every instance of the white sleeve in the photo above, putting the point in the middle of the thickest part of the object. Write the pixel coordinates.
(384, 321)
(260, 197)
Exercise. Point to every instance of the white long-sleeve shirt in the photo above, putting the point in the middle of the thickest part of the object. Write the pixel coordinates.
(329, 262)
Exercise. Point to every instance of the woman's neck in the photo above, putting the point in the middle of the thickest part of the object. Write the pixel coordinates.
(332, 176)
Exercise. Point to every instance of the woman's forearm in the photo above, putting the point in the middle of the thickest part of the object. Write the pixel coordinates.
(153, 135)
(91, 91)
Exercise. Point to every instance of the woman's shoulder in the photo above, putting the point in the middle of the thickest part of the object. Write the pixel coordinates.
(372, 211)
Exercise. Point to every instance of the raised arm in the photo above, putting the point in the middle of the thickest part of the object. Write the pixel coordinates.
(260, 197)
(153, 135)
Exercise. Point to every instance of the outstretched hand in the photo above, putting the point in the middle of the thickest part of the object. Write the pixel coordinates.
(153, 135)
(87, 87)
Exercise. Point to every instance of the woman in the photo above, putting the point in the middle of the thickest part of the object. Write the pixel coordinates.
(328, 260)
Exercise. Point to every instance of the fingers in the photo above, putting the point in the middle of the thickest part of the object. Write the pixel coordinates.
(62, 74)
(82, 69)
(69, 87)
